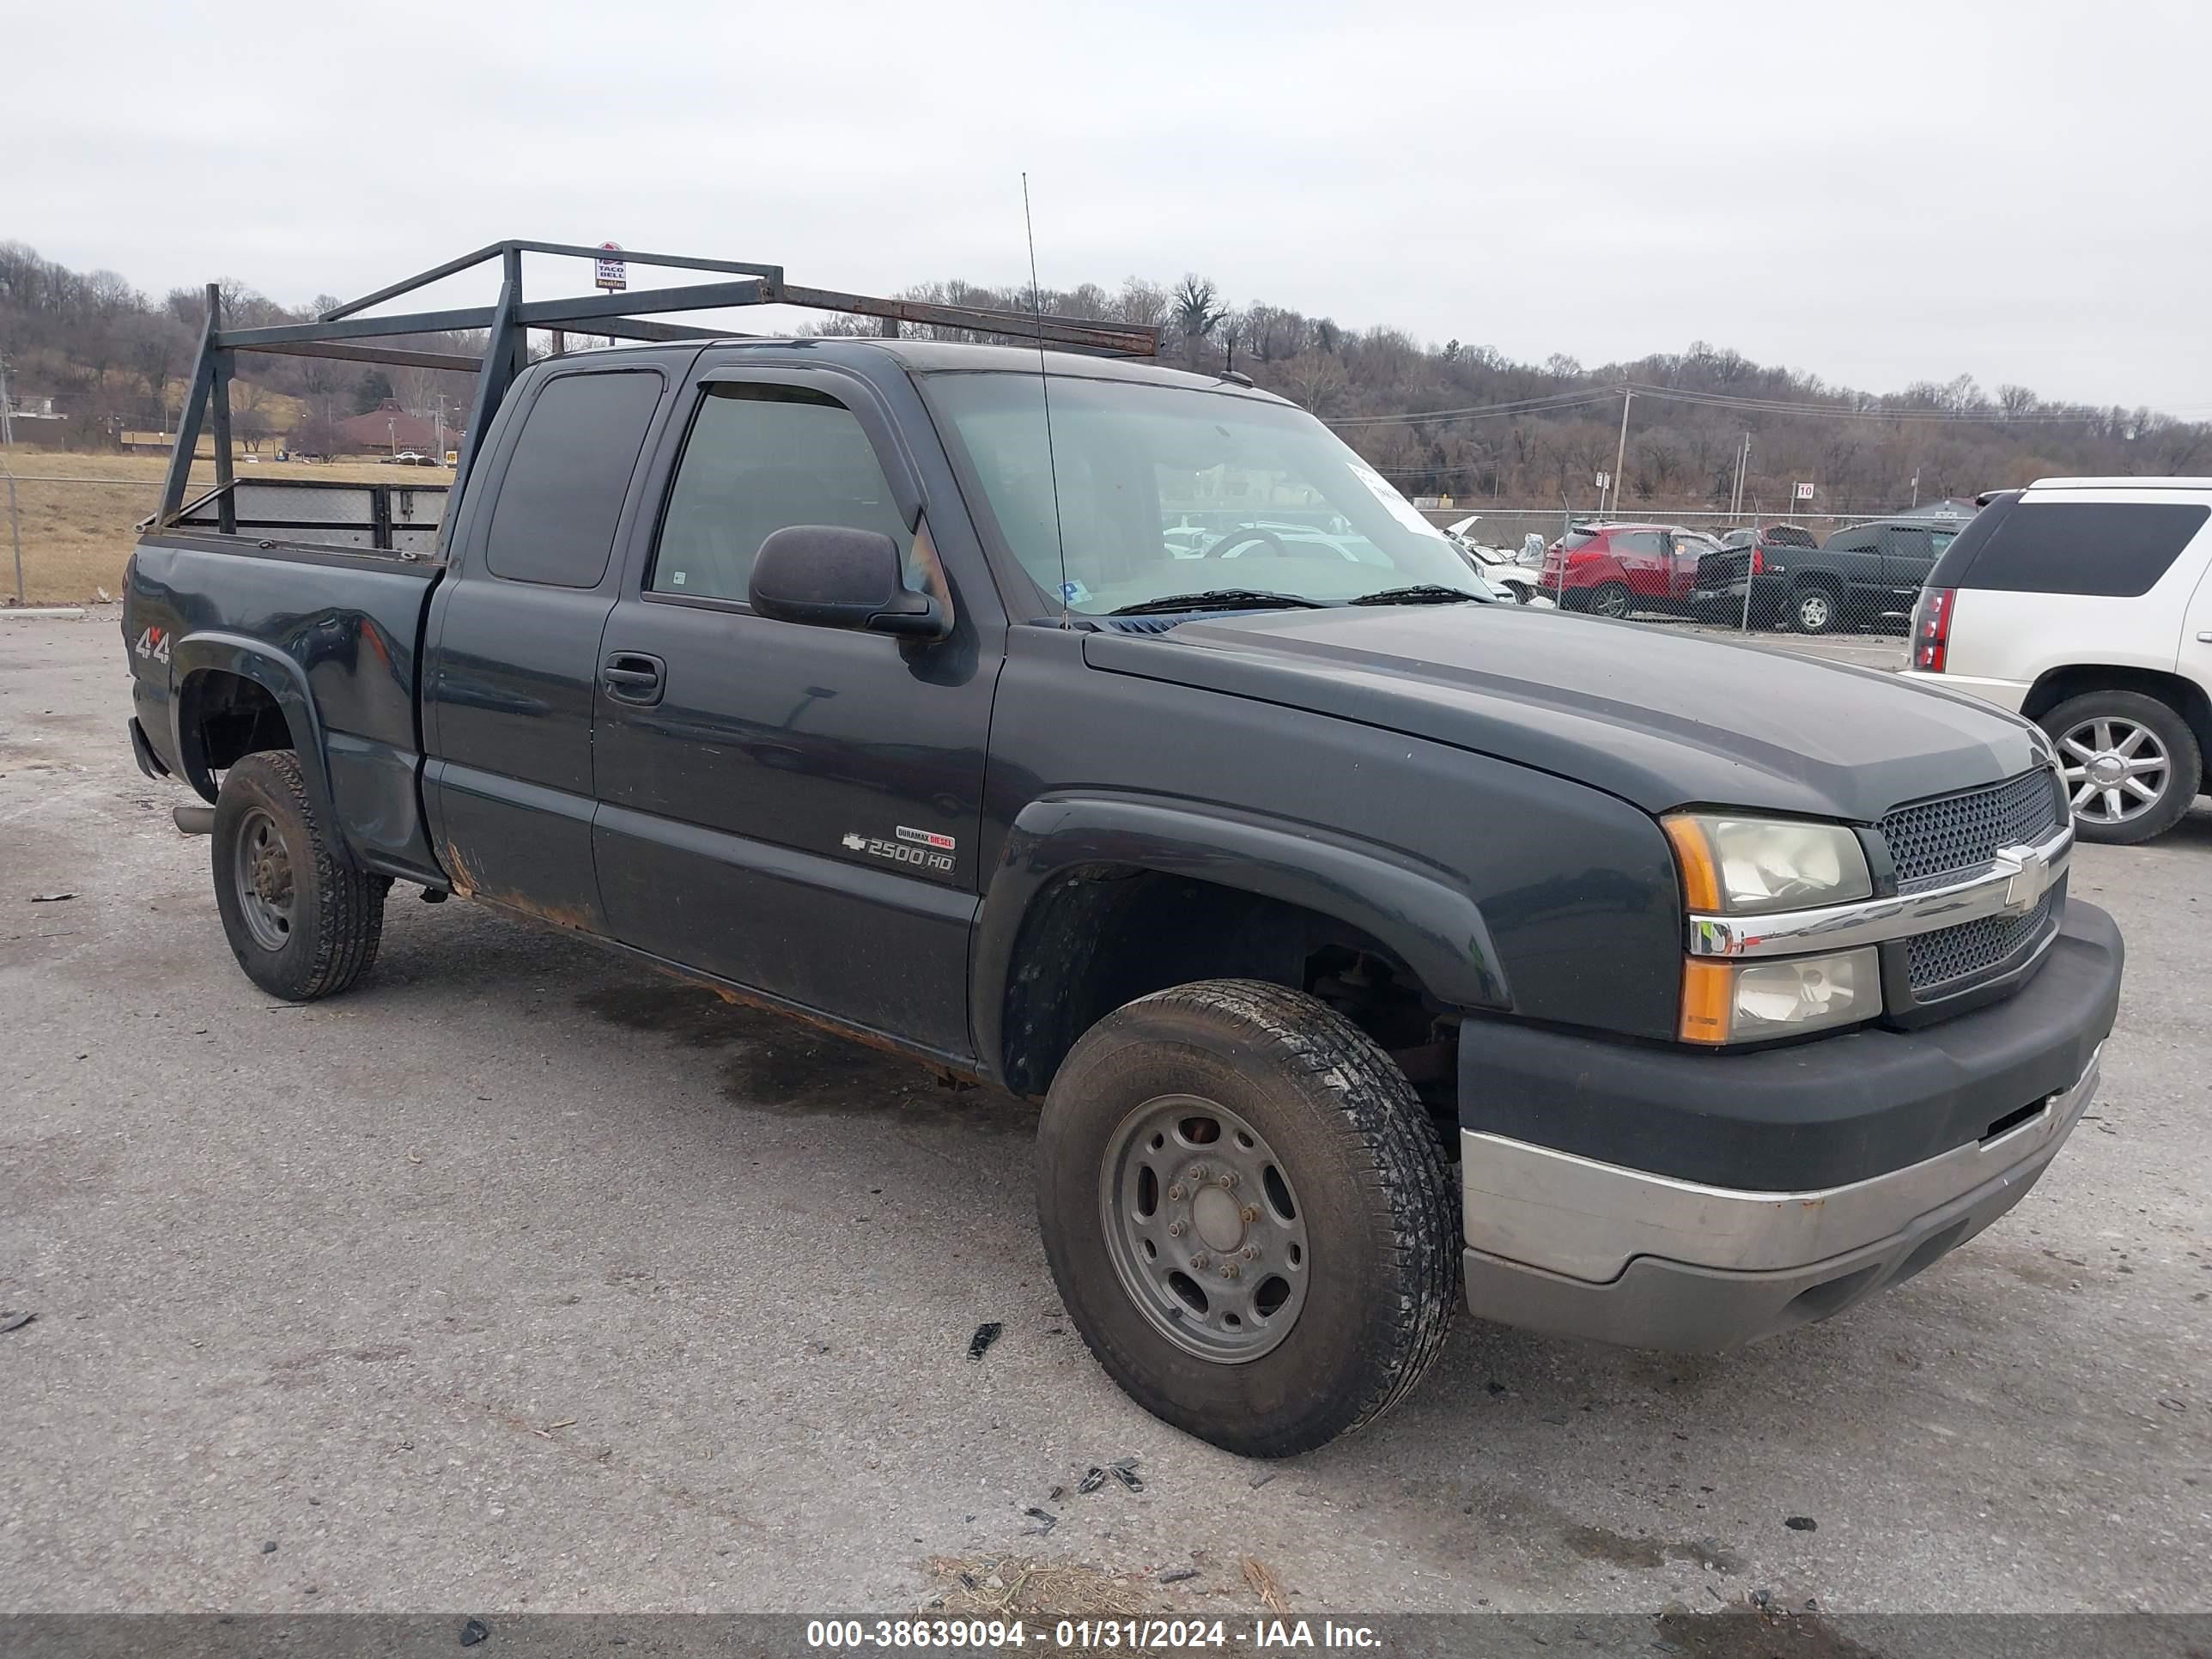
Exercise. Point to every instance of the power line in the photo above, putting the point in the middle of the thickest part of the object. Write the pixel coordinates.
(1516, 406)
(1832, 412)
(1555, 402)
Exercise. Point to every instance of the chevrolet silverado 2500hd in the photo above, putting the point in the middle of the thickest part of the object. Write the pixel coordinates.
(1361, 939)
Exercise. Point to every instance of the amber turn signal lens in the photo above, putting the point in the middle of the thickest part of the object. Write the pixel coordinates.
(1701, 876)
(1708, 993)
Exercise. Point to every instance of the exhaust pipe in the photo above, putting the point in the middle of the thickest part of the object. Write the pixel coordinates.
(194, 820)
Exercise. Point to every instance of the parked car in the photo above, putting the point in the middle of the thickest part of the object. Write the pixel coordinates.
(1772, 535)
(1614, 569)
(1861, 580)
(785, 668)
(1507, 576)
(2084, 604)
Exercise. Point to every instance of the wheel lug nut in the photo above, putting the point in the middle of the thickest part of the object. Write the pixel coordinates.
(1197, 1172)
(1251, 1252)
(1229, 1270)
(1250, 1213)
(1176, 1193)
(1230, 1178)
(1174, 1229)
(1198, 1260)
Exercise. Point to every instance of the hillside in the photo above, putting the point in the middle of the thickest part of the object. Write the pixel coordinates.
(1452, 419)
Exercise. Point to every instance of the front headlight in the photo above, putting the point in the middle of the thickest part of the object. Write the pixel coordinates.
(1741, 867)
(1756, 1001)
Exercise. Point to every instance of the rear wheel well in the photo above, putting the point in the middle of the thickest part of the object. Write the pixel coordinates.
(2184, 696)
(224, 717)
(1103, 935)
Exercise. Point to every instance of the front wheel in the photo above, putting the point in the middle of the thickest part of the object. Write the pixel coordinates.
(303, 919)
(1248, 1215)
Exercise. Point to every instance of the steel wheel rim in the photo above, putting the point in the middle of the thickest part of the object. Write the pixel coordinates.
(2116, 769)
(1813, 611)
(261, 871)
(1612, 602)
(1204, 1230)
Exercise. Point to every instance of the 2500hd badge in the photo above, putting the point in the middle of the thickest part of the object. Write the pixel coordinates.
(924, 848)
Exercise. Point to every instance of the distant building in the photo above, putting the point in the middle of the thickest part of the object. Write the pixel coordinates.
(388, 428)
(32, 419)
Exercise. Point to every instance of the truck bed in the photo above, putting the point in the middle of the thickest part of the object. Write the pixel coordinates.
(332, 635)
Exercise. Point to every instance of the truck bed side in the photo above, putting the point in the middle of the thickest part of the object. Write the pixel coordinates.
(237, 644)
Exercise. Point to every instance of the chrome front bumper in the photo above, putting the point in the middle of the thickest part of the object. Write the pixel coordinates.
(1565, 1244)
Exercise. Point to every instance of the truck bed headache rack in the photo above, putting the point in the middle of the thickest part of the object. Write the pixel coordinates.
(344, 333)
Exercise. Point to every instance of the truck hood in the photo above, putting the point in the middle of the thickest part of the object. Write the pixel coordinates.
(1659, 718)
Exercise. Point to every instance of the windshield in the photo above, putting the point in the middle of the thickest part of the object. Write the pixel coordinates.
(1167, 490)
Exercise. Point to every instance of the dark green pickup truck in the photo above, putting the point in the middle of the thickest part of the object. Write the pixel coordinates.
(1367, 945)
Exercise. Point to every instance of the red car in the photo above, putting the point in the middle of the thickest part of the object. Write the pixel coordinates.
(1615, 568)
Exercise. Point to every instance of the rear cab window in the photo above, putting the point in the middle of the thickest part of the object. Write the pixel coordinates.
(561, 495)
(2110, 550)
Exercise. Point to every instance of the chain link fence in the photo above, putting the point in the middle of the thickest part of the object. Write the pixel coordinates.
(67, 522)
(66, 536)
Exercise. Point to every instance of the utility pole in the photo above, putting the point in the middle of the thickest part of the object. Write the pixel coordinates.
(1620, 450)
(7, 420)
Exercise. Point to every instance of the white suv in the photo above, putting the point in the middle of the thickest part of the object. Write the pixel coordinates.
(2083, 604)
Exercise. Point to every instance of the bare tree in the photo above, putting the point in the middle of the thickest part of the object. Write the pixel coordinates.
(1316, 380)
(250, 421)
(1197, 310)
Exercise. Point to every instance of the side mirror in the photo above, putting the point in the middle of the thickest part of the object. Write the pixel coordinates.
(832, 577)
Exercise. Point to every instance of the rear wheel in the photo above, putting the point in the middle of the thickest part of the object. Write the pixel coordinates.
(1815, 611)
(1611, 600)
(2131, 764)
(303, 919)
(1248, 1215)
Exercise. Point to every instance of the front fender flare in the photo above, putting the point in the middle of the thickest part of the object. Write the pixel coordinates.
(1413, 910)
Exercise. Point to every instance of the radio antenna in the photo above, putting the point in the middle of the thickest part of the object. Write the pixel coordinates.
(1044, 385)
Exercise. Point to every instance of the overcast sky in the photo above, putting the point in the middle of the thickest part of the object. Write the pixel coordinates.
(1874, 193)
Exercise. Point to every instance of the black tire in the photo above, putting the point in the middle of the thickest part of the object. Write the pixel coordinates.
(1374, 1194)
(1816, 608)
(2185, 773)
(332, 910)
(1611, 599)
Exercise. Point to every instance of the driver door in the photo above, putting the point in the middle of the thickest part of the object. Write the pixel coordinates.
(792, 808)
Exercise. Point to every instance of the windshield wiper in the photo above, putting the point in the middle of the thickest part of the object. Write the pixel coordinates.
(1419, 594)
(1218, 598)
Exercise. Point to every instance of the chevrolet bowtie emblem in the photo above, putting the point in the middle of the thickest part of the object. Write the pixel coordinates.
(2029, 873)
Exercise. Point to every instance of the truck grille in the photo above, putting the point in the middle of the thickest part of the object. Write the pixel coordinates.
(1934, 839)
(1940, 961)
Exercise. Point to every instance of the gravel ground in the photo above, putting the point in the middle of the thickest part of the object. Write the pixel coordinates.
(524, 1278)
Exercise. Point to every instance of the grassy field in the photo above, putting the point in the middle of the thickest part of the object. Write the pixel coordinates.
(75, 512)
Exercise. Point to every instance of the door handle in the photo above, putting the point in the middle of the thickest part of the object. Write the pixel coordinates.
(2204, 638)
(634, 677)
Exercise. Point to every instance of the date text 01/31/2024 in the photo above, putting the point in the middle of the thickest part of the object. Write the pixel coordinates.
(1139, 1635)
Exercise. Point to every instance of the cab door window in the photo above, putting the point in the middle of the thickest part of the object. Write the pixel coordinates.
(760, 459)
